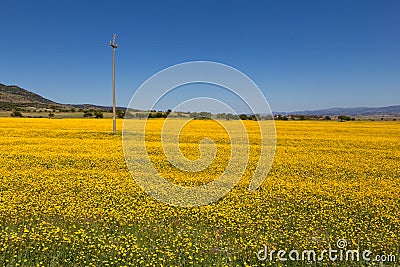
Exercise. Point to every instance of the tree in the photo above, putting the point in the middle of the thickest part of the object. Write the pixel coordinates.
(282, 118)
(229, 116)
(120, 114)
(243, 116)
(98, 114)
(16, 113)
(343, 118)
(51, 115)
(205, 114)
(327, 118)
(254, 117)
(193, 115)
(87, 114)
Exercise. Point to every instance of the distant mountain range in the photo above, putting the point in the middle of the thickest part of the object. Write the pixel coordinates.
(355, 111)
(12, 96)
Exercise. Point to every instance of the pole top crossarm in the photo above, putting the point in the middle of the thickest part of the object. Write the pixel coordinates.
(112, 42)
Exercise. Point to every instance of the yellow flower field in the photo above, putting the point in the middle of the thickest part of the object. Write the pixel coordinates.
(68, 199)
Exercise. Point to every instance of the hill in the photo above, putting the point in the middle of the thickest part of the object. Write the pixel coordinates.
(12, 96)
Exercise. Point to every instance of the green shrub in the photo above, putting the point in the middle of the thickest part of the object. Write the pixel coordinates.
(16, 113)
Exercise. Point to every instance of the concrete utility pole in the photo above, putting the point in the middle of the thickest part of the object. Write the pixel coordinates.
(113, 45)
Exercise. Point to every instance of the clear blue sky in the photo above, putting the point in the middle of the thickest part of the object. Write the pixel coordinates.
(302, 54)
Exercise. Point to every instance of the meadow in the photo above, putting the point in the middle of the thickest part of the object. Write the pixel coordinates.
(68, 199)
